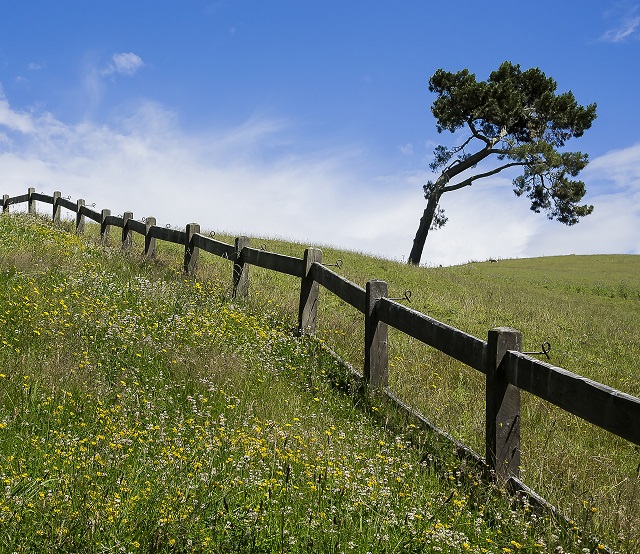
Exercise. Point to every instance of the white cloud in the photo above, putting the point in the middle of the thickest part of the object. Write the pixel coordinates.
(626, 29)
(12, 120)
(406, 149)
(124, 63)
(626, 25)
(232, 180)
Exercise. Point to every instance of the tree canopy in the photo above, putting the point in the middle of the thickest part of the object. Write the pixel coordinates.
(517, 118)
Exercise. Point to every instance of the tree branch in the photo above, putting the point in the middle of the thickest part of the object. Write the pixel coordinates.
(470, 180)
(476, 134)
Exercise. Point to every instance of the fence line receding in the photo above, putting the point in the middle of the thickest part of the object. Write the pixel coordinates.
(506, 368)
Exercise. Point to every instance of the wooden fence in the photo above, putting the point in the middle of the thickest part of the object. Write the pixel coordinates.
(506, 368)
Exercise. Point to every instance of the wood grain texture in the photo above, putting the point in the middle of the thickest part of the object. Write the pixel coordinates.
(453, 342)
(351, 293)
(608, 408)
(275, 262)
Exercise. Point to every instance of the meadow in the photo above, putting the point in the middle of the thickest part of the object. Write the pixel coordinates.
(143, 411)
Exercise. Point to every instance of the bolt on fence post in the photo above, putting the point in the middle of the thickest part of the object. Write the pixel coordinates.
(191, 253)
(32, 202)
(376, 335)
(5, 203)
(308, 307)
(240, 269)
(149, 241)
(502, 407)
(127, 234)
(55, 216)
(79, 217)
(105, 229)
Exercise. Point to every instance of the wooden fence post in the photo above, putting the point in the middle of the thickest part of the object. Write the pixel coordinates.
(149, 241)
(308, 308)
(105, 229)
(191, 253)
(5, 203)
(79, 217)
(55, 216)
(503, 407)
(32, 202)
(127, 234)
(376, 333)
(240, 269)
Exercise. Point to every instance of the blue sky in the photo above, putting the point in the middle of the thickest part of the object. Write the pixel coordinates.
(306, 119)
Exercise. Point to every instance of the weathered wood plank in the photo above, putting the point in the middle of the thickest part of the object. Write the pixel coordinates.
(18, 199)
(127, 233)
(351, 293)
(32, 201)
(168, 235)
(308, 306)
(79, 216)
(502, 437)
(455, 343)
(275, 262)
(191, 251)
(42, 197)
(137, 226)
(240, 269)
(149, 241)
(611, 409)
(68, 204)
(114, 220)
(105, 228)
(55, 214)
(213, 246)
(376, 337)
(91, 214)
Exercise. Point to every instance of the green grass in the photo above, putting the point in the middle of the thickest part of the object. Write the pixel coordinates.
(587, 307)
(141, 411)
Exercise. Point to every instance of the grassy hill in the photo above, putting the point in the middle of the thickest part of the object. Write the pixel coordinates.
(141, 411)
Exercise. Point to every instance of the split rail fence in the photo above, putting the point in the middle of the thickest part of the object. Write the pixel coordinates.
(506, 368)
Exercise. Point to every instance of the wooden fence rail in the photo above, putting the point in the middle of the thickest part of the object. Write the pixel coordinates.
(507, 370)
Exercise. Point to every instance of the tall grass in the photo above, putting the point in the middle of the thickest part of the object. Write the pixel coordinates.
(141, 411)
(587, 307)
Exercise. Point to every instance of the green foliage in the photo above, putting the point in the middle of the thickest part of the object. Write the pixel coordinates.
(514, 106)
(516, 117)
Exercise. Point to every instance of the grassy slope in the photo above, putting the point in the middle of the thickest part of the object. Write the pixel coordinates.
(140, 411)
(587, 307)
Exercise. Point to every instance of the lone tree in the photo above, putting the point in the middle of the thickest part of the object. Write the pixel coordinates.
(516, 117)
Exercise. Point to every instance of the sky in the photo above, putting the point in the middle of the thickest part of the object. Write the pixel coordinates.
(309, 120)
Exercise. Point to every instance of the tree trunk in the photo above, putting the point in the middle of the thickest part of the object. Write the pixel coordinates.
(423, 229)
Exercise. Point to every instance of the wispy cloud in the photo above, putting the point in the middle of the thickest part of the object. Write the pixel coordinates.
(626, 24)
(406, 149)
(233, 179)
(123, 63)
(12, 120)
